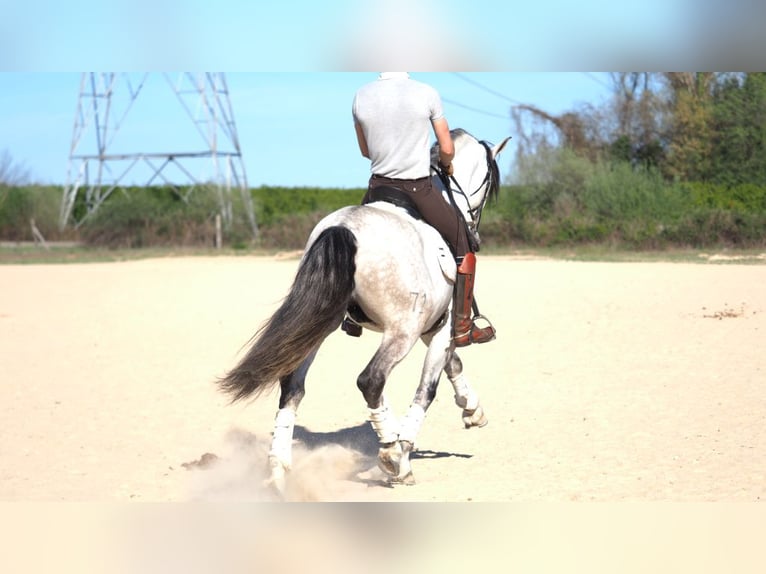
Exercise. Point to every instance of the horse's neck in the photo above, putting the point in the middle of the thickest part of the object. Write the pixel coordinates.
(456, 199)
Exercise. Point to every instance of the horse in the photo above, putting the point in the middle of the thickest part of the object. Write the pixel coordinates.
(379, 267)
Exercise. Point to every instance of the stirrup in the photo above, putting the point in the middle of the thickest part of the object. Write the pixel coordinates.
(466, 338)
(351, 327)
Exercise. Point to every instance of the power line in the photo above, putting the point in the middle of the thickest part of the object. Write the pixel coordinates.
(485, 88)
(477, 110)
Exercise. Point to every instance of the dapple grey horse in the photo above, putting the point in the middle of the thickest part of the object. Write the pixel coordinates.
(393, 274)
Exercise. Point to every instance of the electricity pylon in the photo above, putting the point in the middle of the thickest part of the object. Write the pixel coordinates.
(100, 163)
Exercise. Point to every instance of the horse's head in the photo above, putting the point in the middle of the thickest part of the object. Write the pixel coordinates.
(475, 177)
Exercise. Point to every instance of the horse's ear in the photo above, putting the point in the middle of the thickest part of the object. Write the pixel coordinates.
(499, 147)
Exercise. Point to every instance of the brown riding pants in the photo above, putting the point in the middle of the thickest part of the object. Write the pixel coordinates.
(435, 211)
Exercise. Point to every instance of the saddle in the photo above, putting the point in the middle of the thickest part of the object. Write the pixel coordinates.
(394, 196)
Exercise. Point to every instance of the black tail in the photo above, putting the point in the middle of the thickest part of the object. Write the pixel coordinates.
(313, 309)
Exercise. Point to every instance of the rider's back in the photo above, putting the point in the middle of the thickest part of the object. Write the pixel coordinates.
(396, 115)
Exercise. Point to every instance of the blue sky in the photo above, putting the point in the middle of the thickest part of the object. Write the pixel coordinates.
(336, 35)
(295, 128)
(308, 35)
(294, 125)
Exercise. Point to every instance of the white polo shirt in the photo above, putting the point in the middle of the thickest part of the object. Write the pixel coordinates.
(395, 113)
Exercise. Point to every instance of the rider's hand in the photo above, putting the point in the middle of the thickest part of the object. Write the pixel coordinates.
(448, 169)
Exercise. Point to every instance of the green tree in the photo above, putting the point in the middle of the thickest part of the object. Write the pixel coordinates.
(689, 136)
(739, 130)
(638, 114)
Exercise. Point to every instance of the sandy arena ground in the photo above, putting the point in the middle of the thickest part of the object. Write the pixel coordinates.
(608, 382)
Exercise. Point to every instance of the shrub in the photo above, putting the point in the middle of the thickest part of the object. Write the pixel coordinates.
(20, 205)
(144, 217)
(553, 182)
(273, 204)
(743, 197)
(623, 205)
(718, 227)
(606, 203)
(290, 232)
(619, 192)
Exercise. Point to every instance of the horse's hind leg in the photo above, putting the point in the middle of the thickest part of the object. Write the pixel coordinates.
(465, 397)
(292, 390)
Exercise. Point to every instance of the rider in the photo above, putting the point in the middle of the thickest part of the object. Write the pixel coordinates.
(394, 116)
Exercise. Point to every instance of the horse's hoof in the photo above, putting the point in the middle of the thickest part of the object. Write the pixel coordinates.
(277, 480)
(408, 479)
(474, 418)
(389, 458)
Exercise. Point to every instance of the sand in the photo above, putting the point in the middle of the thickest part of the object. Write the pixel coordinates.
(608, 382)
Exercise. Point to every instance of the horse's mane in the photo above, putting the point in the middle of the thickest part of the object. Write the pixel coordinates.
(459, 136)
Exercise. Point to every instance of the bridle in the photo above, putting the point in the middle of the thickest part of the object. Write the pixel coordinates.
(491, 181)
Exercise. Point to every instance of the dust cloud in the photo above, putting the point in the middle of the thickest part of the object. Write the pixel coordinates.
(324, 472)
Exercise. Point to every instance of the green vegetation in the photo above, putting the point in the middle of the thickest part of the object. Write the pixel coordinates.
(152, 217)
(286, 216)
(19, 206)
(616, 204)
(580, 204)
(160, 217)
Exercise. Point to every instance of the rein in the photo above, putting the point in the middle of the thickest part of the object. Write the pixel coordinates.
(490, 181)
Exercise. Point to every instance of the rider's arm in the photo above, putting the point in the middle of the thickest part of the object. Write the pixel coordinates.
(361, 140)
(444, 139)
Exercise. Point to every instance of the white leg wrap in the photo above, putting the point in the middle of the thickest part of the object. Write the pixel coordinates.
(384, 422)
(465, 397)
(282, 441)
(411, 423)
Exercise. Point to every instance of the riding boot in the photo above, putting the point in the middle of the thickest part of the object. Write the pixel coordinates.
(464, 331)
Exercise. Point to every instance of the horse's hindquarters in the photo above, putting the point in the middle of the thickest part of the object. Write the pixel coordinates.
(399, 277)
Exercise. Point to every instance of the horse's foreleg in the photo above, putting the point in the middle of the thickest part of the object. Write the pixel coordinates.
(396, 459)
(465, 397)
(292, 390)
(436, 357)
(371, 383)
